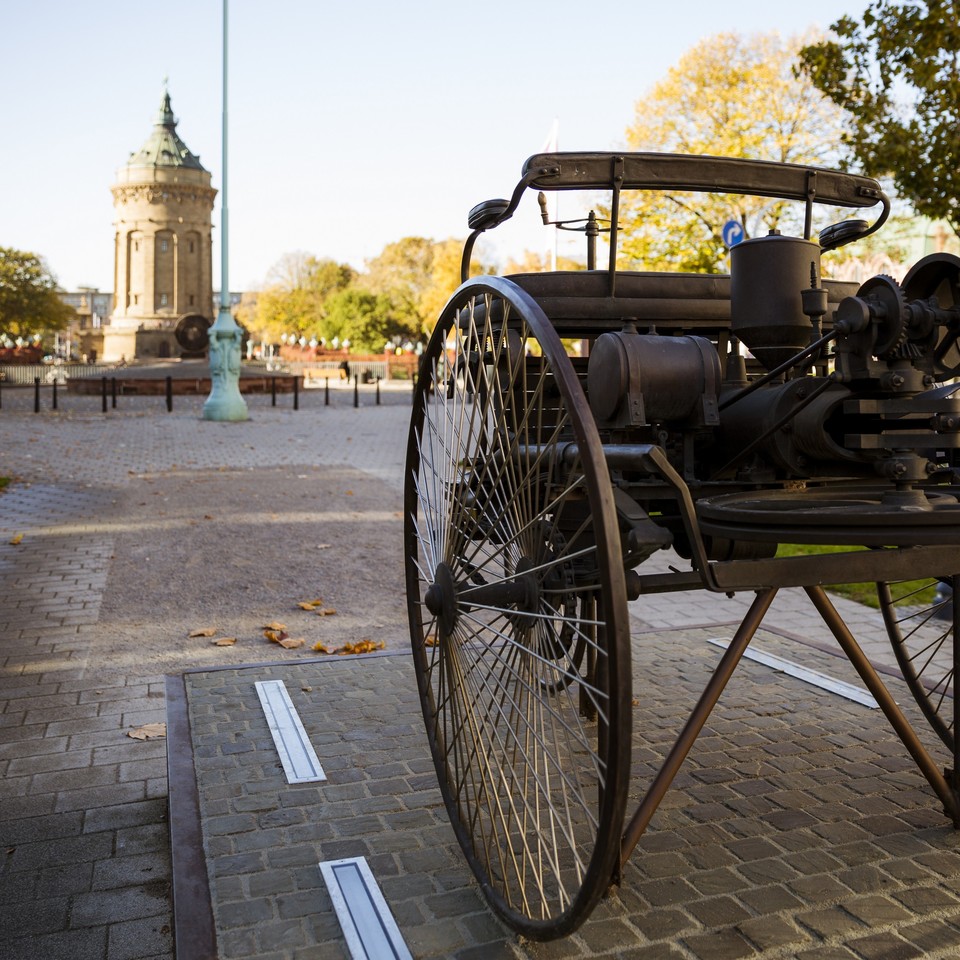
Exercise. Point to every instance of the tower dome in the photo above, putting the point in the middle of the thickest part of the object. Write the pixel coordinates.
(163, 251)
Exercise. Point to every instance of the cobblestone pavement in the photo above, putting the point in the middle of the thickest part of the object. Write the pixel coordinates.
(798, 828)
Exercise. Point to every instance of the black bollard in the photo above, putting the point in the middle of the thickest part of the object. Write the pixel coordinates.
(36, 394)
(296, 393)
(169, 394)
(326, 391)
(113, 392)
(54, 399)
(378, 391)
(273, 390)
(103, 393)
(356, 392)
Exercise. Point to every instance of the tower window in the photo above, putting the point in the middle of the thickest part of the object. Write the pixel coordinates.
(136, 246)
(191, 246)
(163, 296)
(163, 246)
(191, 299)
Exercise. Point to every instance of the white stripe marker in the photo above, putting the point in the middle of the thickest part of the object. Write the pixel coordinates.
(821, 680)
(367, 923)
(300, 762)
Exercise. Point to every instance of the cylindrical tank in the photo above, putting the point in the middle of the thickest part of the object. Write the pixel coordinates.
(767, 275)
(636, 379)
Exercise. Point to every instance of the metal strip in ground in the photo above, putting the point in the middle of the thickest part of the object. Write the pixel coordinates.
(300, 762)
(367, 923)
(821, 680)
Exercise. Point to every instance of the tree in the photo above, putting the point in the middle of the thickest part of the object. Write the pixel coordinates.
(730, 96)
(29, 303)
(294, 301)
(367, 320)
(419, 275)
(898, 75)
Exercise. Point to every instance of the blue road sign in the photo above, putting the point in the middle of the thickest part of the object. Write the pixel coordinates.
(732, 233)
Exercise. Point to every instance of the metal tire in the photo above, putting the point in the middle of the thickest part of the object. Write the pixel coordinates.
(531, 741)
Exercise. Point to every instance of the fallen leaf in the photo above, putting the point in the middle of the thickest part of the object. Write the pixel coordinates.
(430, 640)
(203, 632)
(16, 540)
(207, 516)
(307, 689)
(290, 643)
(149, 731)
(321, 648)
(323, 546)
(361, 646)
(310, 604)
(349, 493)
(276, 636)
(275, 625)
(224, 642)
(326, 612)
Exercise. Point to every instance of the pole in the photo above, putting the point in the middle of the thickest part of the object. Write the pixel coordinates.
(113, 392)
(103, 394)
(273, 390)
(225, 401)
(169, 394)
(356, 391)
(326, 391)
(36, 394)
(296, 392)
(54, 400)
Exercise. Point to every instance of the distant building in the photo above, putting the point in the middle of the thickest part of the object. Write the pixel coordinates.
(163, 252)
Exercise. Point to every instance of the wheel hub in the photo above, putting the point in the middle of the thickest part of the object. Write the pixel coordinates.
(445, 598)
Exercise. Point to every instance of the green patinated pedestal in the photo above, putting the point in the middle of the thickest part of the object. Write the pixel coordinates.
(225, 401)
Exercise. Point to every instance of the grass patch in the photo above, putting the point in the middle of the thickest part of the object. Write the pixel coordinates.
(865, 593)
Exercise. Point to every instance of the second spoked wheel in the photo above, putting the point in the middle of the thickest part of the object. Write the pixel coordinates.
(919, 617)
(517, 609)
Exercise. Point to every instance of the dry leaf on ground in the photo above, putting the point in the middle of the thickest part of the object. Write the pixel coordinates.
(321, 648)
(274, 625)
(430, 640)
(290, 643)
(275, 636)
(224, 641)
(14, 541)
(310, 604)
(326, 612)
(149, 731)
(203, 632)
(361, 646)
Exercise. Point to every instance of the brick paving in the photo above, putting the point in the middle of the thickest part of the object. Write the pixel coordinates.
(798, 828)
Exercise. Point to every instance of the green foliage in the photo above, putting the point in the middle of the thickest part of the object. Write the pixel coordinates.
(897, 75)
(29, 303)
(730, 96)
(400, 294)
(367, 320)
(294, 300)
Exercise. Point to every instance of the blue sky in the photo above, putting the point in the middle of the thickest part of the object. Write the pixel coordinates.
(351, 124)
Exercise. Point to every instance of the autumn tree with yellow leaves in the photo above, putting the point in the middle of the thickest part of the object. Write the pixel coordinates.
(730, 96)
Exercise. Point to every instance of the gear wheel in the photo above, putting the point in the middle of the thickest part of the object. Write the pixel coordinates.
(888, 307)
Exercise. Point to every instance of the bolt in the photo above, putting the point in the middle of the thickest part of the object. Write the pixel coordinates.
(896, 380)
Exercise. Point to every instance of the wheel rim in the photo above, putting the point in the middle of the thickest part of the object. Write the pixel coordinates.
(509, 552)
(921, 632)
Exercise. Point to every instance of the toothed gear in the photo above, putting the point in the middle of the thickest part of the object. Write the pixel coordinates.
(892, 327)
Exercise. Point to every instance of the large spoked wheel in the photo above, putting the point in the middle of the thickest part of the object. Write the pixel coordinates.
(919, 616)
(517, 607)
